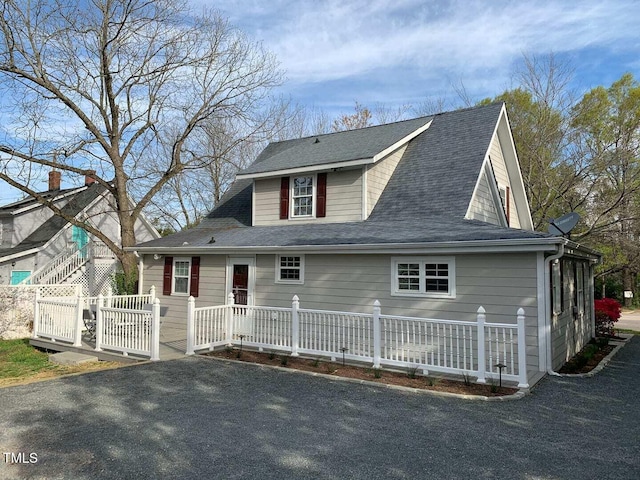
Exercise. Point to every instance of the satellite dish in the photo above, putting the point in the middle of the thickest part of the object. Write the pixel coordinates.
(564, 224)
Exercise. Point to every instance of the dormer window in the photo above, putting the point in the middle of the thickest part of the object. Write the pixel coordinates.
(303, 196)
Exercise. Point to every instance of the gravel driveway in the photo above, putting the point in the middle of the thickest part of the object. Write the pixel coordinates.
(202, 418)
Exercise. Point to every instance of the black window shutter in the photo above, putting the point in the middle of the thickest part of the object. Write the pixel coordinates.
(321, 207)
(284, 198)
(168, 274)
(195, 276)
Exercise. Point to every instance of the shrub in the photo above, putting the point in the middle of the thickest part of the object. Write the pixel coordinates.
(607, 314)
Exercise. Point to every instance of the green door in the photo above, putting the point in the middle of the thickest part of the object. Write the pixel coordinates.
(80, 237)
(19, 275)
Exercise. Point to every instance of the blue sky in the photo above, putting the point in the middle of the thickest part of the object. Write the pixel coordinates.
(397, 52)
(407, 51)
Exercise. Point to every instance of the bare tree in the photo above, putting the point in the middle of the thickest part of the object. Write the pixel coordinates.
(120, 87)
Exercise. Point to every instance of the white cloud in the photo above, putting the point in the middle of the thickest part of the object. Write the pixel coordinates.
(334, 40)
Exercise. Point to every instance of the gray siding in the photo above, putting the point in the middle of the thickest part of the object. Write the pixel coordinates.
(500, 283)
(344, 200)
(211, 291)
(502, 177)
(378, 176)
(569, 332)
(483, 206)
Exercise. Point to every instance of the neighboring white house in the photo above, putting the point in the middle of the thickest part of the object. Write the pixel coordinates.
(429, 216)
(38, 247)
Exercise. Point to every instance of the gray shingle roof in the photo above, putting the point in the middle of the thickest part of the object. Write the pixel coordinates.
(425, 200)
(332, 147)
(77, 203)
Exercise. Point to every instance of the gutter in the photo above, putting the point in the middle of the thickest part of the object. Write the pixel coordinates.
(470, 246)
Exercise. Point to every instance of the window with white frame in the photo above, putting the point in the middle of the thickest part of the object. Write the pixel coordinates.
(181, 271)
(302, 196)
(423, 276)
(289, 268)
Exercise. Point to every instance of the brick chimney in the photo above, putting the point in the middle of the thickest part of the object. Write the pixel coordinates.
(54, 180)
(89, 178)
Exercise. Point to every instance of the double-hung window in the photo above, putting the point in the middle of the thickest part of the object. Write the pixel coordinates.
(181, 276)
(423, 277)
(302, 196)
(290, 269)
(181, 269)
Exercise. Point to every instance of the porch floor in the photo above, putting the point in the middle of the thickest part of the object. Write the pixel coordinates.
(173, 344)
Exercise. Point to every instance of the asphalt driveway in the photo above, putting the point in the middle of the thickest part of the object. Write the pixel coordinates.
(200, 418)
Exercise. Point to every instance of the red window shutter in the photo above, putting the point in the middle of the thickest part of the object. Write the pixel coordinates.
(168, 274)
(195, 276)
(321, 207)
(508, 206)
(284, 198)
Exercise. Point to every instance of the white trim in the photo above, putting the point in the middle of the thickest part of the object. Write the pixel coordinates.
(300, 281)
(469, 246)
(365, 181)
(24, 253)
(503, 129)
(314, 199)
(451, 277)
(495, 192)
(253, 202)
(402, 141)
(37, 204)
(251, 287)
(306, 170)
(173, 276)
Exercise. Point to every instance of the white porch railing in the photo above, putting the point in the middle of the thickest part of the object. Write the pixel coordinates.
(60, 267)
(447, 346)
(128, 324)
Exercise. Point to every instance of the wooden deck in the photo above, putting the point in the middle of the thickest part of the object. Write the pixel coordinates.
(173, 344)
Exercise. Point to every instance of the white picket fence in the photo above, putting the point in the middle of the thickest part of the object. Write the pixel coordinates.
(447, 346)
(127, 324)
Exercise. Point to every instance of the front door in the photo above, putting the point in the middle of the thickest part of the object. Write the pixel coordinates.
(17, 276)
(240, 286)
(240, 279)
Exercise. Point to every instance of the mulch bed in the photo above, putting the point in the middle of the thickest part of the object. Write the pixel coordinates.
(350, 371)
(576, 365)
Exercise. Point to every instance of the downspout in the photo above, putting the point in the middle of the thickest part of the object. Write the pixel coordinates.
(140, 270)
(547, 306)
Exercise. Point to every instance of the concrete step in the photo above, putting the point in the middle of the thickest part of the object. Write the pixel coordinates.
(71, 358)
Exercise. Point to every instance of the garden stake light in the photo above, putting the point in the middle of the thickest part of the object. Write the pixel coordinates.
(500, 366)
(343, 349)
(241, 337)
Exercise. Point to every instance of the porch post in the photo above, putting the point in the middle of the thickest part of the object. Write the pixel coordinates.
(152, 293)
(295, 326)
(77, 334)
(155, 331)
(36, 313)
(376, 334)
(99, 327)
(522, 351)
(481, 353)
(191, 306)
(230, 302)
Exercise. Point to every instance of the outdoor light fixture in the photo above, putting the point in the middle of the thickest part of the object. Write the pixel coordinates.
(156, 256)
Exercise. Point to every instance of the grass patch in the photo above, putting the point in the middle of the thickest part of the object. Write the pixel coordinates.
(19, 361)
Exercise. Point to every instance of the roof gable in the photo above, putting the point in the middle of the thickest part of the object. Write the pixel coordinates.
(440, 168)
(324, 151)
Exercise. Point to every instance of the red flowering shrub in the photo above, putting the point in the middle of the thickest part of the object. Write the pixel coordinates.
(607, 314)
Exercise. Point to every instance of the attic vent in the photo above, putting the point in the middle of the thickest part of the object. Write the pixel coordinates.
(317, 140)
